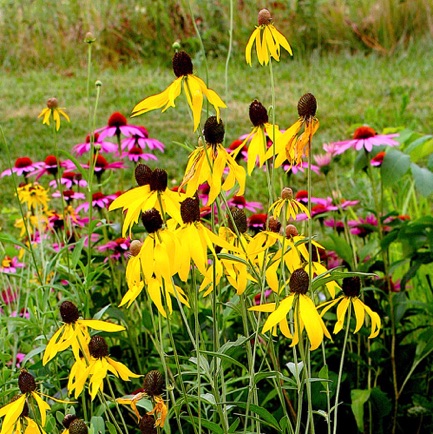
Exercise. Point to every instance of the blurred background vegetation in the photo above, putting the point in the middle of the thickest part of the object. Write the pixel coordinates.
(37, 33)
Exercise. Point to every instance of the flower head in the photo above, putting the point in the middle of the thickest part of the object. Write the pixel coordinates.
(23, 166)
(117, 125)
(98, 365)
(351, 290)
(194, 89)
(210, 161)
(268, 40)
(292, 206)
(53, 110)
(98, 143)
(74, 332)
(365, 137)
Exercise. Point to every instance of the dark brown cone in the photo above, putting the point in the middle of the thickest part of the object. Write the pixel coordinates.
(274, 225)
(147, 424)
(67, 420)
(299, 281)
(143, 174)
(258, 113)
(78, 426)
(182, 64)
(153, 384)
(158, 180)
(213, 131)
(291, 231)
(152, 220)
(264, 17)
(69, 312)
(190, 210)
(26, 382)
(98, 348)
(351, 286)
(307, 106)
(287, 193)
(239, 218)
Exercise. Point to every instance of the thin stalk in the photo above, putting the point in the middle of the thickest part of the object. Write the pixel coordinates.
(340, 371)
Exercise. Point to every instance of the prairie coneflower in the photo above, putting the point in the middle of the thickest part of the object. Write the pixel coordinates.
(268, 40)
(209, 162)
(194, 89)
(152, 192)
(53, 109)
(351, 289)
(292, 206)
(16, 413)
(365, 138)
(74, 332)
(99, 364)
(293, 146)
(258, 138)
(305, 315)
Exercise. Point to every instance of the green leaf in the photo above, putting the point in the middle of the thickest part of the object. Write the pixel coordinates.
(98, 425)
(423, 179)
(341, 247)
(225, 357)
(359, 398)
(264, 414)
(420, 148)
(216, 429)
(394, 166)
(234, 425)
(111, 428)
(381, 402)
(324, 373)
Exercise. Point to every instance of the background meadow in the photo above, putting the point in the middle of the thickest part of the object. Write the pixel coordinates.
(367, 63)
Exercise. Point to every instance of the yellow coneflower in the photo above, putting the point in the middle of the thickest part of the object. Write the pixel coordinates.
(53, 110)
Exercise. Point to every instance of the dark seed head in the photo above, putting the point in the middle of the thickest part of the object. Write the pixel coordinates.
(239, 218)
(26, 382)
(153, 383)
(299, 281)
(213, 131)
(78, 426)
(264, 17)
(98, 348)
(190, 210)
(158, 180)
(152, 220)
(258, 113)
(67, 420)
(287, 193)
(69, 312)
(274, 224)
(182, 64)
(307, 106)
(351, 286)
(291, 231)
(52, 103)
(143, 174)
(147, 425)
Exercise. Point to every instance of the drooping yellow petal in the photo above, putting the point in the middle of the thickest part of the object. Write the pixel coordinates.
(281, 40)
(102, 325)
(274, 49)
(312, 321)
(97, 371)
(375, 322)
(341, 314)
(12, 412)
(194, 97)
(279, 314)
(43, 407)
(249, 46)
(124, 372)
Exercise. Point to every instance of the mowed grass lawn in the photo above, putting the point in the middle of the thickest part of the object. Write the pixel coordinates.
(382, 91)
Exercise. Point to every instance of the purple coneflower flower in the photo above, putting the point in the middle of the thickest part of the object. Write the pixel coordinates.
(143, 141)
(10, 265)
(136, 154)
(23, 166)
(366, 137)
(103, 146)
(117, 126)
(99, 200)
(118, 248)
(240, 202)
(69, 179)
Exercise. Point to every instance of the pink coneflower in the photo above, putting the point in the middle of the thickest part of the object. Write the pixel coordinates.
(289, 168)
(337, 225)
(331, 149)
(103, 146)
(117, 126)
(240, 202)
(99, 200)
(143, 141)
(257, 222)
(8, 296)
(258, 297)
(69, 179)
(10, 265)
(366, 137)
(23, 166)
(363, 226)
(49, 166)
(69, 195)
(377, 160)
(119, 248)
(18, 360)
(136, 154)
